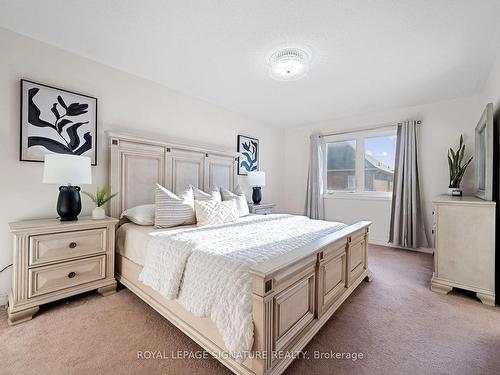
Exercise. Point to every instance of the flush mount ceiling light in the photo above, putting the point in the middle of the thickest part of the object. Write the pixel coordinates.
(289, 63)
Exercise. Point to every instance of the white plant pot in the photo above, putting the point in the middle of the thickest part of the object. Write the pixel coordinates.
(451, 190)
(98, 213)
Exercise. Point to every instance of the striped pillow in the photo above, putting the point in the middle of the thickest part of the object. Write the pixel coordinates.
(239, 197)
(212, 212)
(171, 210)
(200, 195)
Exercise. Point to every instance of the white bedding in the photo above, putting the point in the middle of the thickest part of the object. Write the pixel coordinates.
(132, 239)
(207, 268)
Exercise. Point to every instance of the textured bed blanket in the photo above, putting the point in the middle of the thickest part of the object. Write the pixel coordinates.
(207, 268)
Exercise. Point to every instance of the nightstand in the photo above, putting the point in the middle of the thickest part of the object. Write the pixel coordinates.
(54, 260)
(262, 208)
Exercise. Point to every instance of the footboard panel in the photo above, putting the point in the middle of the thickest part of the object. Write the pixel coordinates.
(357, 258)
(294, 308)
(332, 275)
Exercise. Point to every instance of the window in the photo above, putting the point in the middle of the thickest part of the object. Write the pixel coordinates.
(361, 162)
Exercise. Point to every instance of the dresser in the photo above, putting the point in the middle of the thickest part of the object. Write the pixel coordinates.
(54, 260)
(261, 209)
(464, 239)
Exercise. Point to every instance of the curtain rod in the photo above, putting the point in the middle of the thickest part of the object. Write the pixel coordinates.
(373, 127)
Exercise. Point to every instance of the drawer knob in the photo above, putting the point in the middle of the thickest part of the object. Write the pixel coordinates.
(71, 274)
(72, 245)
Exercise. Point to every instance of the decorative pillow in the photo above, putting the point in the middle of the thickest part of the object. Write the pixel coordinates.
(142, 215)
(238, 197)
(212, 212)
(200, 195)
(171, 210)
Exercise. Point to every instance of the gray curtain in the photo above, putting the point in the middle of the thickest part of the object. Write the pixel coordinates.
(314, 200)
(407, 225)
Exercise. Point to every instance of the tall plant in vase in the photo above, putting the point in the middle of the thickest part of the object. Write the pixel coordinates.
(457, 169)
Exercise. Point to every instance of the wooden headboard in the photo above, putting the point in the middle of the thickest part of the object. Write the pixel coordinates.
(137, 164)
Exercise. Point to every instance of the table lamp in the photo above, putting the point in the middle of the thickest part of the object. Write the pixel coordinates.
(256, 180)
(68, 171)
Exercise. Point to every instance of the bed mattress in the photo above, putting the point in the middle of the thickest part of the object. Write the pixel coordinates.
(132, 239)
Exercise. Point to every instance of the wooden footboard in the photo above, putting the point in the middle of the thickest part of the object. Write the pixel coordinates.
(295, 295)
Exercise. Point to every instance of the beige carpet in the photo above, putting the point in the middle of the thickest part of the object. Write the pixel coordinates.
(399, 325)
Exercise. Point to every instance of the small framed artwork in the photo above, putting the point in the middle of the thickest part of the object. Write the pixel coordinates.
(248, 159)
(483, 154)
(56, 121)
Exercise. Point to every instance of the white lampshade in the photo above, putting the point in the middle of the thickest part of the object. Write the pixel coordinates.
(257, 178)
(67, 169)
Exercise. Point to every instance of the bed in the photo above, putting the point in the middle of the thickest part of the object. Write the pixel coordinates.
(293, 292)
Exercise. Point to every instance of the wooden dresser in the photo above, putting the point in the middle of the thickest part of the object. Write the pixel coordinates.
(54, 260)
(464, 238)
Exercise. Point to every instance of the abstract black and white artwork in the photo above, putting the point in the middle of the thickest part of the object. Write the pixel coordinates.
(56, 121)
(248, 150)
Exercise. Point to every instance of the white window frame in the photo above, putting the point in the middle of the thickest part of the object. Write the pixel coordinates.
(359, 137)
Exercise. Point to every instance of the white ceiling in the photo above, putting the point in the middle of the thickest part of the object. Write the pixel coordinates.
(367, 55)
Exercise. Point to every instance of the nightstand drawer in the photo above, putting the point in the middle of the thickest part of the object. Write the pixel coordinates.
(263, 211)
(47, 279)
(66, 245)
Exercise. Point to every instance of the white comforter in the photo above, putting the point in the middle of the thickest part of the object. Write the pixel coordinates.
(207, 268)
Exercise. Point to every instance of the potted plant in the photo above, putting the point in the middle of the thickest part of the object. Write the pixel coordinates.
(457, 170)
(101, 197)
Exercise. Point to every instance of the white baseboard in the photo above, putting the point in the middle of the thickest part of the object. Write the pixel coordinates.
(427, 250)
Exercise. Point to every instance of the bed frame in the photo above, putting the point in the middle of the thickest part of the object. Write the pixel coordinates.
(293, 295)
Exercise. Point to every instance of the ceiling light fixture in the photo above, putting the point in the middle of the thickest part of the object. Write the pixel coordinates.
(289, 64)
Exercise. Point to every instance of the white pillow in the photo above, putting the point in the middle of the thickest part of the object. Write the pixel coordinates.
(238, 197)
(142, 215)
(200, 195)
(212, 212)
(171, 210)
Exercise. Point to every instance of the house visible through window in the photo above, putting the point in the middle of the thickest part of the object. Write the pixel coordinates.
(361, 162)
(341, 164)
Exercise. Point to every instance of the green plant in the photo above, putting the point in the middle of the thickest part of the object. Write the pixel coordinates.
(455, 159)
(101, 197)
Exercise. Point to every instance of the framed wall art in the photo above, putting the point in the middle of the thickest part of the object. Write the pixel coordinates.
(57, 121)
(248, 159)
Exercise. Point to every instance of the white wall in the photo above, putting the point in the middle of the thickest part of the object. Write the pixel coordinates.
(491, 91)
(349, 211)
(126, 103)
(442, 124)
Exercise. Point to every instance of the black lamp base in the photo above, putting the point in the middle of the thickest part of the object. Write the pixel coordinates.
(69, 203)
(256, 195)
